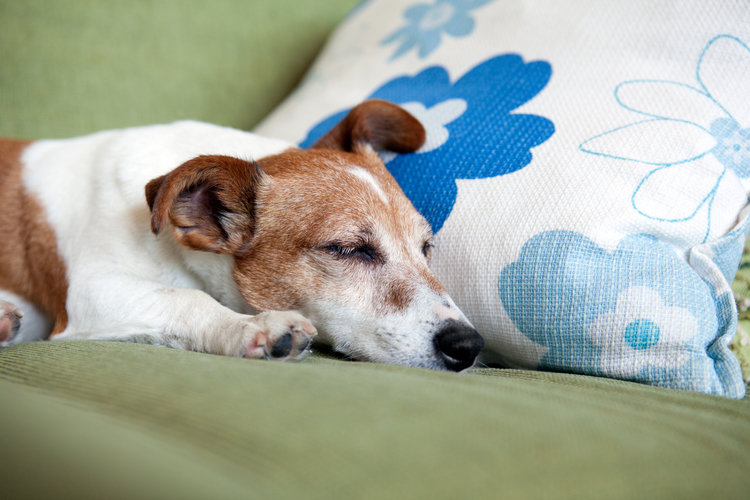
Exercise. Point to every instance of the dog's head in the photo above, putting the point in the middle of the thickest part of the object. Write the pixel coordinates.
(327, 231)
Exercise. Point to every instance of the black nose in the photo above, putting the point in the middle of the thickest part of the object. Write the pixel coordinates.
(458, 345)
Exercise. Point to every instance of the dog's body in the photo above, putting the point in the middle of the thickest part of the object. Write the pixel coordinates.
(326, 232)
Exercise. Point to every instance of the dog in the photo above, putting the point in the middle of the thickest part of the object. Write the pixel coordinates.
(243, 245)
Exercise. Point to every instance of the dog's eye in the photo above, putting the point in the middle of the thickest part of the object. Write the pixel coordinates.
(362, 252)
(426, 248)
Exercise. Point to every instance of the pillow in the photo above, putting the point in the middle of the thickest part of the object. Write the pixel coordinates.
(586, 170)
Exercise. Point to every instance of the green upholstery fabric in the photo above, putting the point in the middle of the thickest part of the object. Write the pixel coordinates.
(331, 429)
(741, 288)
(51, 449)
(74, 67)
(106, 420)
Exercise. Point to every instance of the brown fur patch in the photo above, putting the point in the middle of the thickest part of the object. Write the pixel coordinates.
(399, 294)
(379, 124)
(288, 215)
(309, 202)
(30, 265)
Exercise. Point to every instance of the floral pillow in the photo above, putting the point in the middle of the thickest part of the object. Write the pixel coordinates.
(586, 170)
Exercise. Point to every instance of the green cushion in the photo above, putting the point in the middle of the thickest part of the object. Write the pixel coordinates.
(52, 449)
(325, 428)
(74, 67)
(741, 287)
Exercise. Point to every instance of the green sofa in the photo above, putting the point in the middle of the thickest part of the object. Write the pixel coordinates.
(108, 420)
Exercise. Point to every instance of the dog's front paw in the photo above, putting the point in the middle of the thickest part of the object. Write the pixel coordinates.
(10, 321)
(280, 335)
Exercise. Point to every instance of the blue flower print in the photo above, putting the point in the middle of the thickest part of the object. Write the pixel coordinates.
(426, 23)
(472, 132)
(637, 312)
(694, 136)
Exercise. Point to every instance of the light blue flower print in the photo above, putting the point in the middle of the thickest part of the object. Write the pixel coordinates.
(695, 136)
(425, 24)
(643, 332)
(636, 312)
(733, 146)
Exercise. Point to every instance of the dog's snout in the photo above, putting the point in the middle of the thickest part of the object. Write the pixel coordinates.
(458, 344)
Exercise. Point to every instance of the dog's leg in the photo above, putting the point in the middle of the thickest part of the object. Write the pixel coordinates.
(185, 319)
(10, 321)
(21, 321)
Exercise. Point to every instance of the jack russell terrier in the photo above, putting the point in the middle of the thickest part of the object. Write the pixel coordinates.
(239, 250)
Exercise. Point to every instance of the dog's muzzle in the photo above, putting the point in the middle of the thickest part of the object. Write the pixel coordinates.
(458, 345)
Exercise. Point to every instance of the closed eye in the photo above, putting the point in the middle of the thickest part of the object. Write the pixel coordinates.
(365, 253)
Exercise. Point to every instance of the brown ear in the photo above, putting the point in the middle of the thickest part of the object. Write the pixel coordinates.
(152, 188)
(209, 201)
(377, 123)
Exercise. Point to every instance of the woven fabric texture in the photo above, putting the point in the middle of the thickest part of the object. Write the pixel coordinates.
(331, 429)
(86, 66)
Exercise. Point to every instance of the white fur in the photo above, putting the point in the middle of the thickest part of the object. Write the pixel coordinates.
(404, 338)
(122, 280)
(369, 180)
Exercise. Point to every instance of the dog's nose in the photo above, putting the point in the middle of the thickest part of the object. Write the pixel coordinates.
(458, 345)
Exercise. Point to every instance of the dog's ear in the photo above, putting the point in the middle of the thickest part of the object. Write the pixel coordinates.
(379, 124)
(209, 201)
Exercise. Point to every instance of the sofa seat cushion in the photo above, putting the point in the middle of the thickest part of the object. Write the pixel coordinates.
(327, 428)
